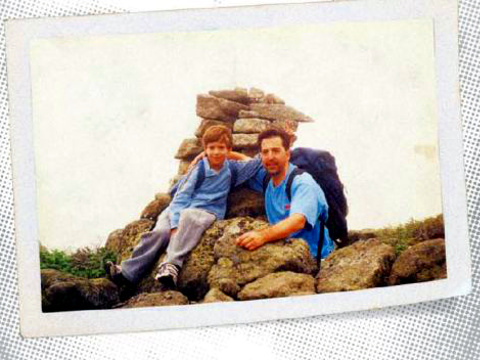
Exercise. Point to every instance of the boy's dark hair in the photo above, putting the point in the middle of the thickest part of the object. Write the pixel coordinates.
(217, 133)
(274, 132)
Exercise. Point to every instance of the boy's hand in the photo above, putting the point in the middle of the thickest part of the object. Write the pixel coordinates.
(251, 240)
(196, 160)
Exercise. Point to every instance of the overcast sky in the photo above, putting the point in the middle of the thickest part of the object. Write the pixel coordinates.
(110, 112)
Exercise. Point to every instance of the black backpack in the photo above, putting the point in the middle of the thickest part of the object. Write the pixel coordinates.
(201, 177)
(321, 166)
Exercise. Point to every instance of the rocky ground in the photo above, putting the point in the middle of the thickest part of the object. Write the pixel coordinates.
(218, 270)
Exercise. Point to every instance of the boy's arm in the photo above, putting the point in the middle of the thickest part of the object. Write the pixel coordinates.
(232, 155)
(183, 197)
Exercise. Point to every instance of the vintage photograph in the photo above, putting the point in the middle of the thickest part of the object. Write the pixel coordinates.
(235, 164)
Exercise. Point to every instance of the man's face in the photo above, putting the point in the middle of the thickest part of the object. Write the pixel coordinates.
(216, 152)
(274, 156)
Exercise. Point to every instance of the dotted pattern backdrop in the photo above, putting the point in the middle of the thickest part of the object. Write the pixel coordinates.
(445, 329)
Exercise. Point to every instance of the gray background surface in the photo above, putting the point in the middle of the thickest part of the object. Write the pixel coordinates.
(445, 329)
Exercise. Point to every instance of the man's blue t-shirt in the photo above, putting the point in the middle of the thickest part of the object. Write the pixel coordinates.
(308, 199)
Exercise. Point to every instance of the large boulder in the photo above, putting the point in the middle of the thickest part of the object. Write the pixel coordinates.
(279, 112)
(65, 292)
(363, 265)
(251, 126)
(189, 148)
(245, 202)
(421, 262)
(235, 267)
(280, 284)
(155, 207)
(211, 107)
(164, 298)
(192, 279)
(123, 241)
(215, 295)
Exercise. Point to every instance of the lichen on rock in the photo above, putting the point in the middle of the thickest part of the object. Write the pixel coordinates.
(280, 284)
(421, 262)
(365, 264)
(164, 298)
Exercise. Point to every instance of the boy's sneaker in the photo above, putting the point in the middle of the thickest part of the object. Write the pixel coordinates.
(114, 273)
(167, 275)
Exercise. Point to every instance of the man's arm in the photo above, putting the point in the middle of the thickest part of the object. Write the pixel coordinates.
(233, 155)
(254, 239)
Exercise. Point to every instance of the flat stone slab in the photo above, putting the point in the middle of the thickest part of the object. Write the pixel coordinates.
(251, 126)
(280, 284)
(279, 112)
(245, 141)
(211, 107)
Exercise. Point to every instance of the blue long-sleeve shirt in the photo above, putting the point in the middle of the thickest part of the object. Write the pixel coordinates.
(212, 195)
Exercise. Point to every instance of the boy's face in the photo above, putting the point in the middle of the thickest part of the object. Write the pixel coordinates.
(216, 152)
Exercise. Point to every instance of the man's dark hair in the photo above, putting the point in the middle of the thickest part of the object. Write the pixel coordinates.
(274, 132)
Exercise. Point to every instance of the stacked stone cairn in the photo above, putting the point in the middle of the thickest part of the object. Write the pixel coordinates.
(246, 112)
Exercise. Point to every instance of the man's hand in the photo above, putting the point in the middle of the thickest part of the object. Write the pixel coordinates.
(251, 240)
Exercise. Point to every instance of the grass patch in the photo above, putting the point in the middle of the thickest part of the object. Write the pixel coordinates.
(85, 262)
(412, 232)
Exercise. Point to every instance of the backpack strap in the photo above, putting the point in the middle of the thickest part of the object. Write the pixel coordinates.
(265, 182)
(320, 243)
(201, 174)
(233, 175)
(288, 187)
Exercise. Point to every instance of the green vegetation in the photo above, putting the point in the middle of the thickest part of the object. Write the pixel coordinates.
(85, 262)
(411, 233)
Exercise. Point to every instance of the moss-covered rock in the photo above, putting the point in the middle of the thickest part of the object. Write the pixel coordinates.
(216, 295)
(124, 241)
(280, 284)
(421, 262)
(156, 206)
(192, 279)
(164, 298)
(64, 292)
(362, 265)
(236, 267)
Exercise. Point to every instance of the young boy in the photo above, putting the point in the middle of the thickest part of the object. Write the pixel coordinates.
(193, 209)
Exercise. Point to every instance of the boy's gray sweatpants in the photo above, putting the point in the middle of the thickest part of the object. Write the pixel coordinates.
(191, 226)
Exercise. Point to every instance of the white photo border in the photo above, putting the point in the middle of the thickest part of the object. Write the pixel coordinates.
(20, 33)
